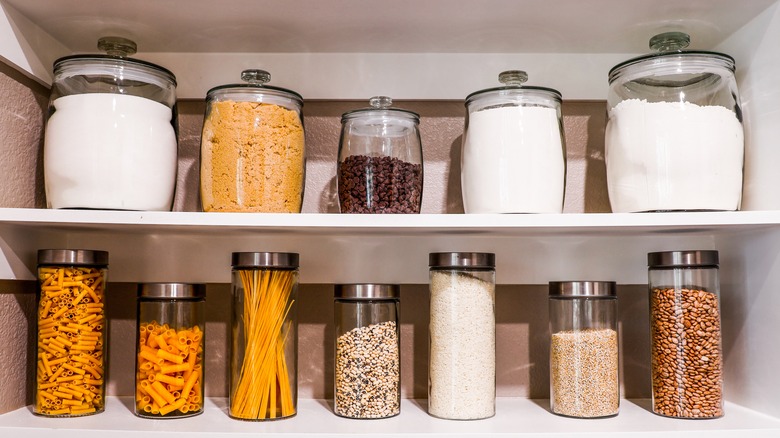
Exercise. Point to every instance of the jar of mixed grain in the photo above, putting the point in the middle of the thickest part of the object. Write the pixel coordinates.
(169, 356)
(264, 351)
(380, 168)
(584, 371)
(462, 353)
(367, 378)
(71, 337)
(252, 148)
(685, 335)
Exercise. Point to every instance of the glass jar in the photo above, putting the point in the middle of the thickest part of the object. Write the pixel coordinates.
(110, 138)
(252, 155)
(264, 353)
(380, 167)
(462, 349)
(367, 376)
(169, 355)
(71, 358)
(514, 158)
(685, 337)
(584, 371)
(674, 139)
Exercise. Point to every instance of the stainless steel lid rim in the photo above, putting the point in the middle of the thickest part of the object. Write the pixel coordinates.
(172, 291)
(74, 257)
(462, 260)
(582, 289)
(367, 291)
(683, 259)
(274, 260)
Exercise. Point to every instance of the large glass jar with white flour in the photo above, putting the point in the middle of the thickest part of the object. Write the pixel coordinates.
(110, 137)
(674, 140)
(514, 159)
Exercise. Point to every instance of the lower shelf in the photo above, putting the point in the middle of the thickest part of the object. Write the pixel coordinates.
(515, 417)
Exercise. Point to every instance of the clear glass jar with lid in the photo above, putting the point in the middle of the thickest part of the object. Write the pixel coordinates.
(252, 156)
(380, 168)
(367, 375)
(685, 336)
(110, 139)
(584, 371)
(674, 139)
(514, 156)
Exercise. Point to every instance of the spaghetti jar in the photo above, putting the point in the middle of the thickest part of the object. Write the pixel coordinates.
(169, 355)
(462, 353)
(584, 371)
(367, 378)
(264, 353)
(70, 364)
(685, 337)
(252, 156)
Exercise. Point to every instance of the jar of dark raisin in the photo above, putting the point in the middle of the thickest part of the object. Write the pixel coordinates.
(380, 166)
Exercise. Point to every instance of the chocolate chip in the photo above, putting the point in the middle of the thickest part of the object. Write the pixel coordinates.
(379, 185)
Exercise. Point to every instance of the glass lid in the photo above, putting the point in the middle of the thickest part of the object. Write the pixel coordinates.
(513, 81)
(380, 106)
(255, 83)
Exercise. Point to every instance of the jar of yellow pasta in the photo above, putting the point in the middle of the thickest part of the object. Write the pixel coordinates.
(169, 359)
(70, 363)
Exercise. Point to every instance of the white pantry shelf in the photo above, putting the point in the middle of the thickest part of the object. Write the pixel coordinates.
(515, 417)
(336, 248)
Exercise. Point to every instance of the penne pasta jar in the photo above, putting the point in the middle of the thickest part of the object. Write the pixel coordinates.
(70, 364)
(170, 350)
(367, 378)
(264, 341)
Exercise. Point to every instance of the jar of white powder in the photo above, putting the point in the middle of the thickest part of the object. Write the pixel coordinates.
(462, 353)
(110, 136)
(513, 159)
(584, 380)
(674, 139)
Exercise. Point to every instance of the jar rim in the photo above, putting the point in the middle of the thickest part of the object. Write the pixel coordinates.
(510, 90)
(75, 257)
(254, 89)
(367, 291)
(380, 112)
(171, 290)
(467, 260)
(582, 289)
(729, 61)
(63, 61)
(280, 260)
(683, 259)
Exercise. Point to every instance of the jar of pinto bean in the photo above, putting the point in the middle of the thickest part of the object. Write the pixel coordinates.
(686, 355)
(380, 167)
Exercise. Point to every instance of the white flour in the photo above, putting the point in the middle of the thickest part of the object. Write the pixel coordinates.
(673, 156)
(513, 161)
(110, 151)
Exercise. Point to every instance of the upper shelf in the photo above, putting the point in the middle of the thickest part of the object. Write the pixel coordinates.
(345, 49)
(337, 248)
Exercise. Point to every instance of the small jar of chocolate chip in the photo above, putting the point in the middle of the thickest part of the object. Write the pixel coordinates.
(380, 167)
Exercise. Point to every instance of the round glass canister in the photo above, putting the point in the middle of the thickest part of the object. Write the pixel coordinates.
(71, 366)
(367, 377)
(169, 356)
(462, 348)
(674, 139)
(685, 335)
(110, 138)
(514, 158)
(380, 167)
(584, 380)
(264, 353)
(252, 156)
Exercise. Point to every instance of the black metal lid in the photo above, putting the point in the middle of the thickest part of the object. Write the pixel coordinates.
(75, 257)
(476, 260)
(172, 290)
(367, 291)
(583, 289)
(283, 260)
(682, 259)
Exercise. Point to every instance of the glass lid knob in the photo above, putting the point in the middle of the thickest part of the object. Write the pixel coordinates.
(117, 46)
(380, 102)
(670, 41)
(255, 76)
(513, 78)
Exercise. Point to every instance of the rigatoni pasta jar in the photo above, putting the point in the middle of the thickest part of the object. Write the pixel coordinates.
(264, 343)
(71, 335)
(170, 350)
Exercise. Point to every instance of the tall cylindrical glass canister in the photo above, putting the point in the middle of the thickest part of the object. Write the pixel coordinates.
(367, 378)
(72, 347)
(462, 341)
(264, 353)
(514, 156)
(674, 140)
(169, 355)
(252, 156)
(584, 371)
(685, 341)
